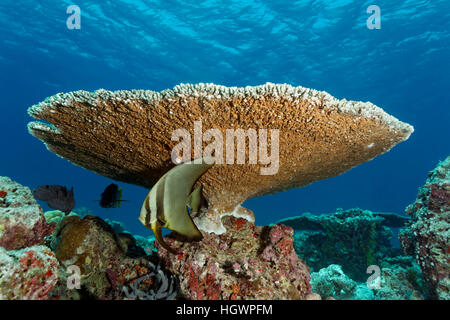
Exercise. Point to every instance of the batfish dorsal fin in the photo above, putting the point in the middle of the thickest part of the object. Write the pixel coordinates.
(195, 199)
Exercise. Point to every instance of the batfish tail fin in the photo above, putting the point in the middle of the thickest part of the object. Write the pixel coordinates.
(157, 231)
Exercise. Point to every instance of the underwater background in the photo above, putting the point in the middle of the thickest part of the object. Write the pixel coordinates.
(403, 68)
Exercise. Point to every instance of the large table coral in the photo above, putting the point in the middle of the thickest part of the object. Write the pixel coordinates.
(127, 135)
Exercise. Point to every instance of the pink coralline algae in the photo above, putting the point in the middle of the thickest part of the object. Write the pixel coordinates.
(246, 262)
(427, 236)
(27, 274)
(22, 223)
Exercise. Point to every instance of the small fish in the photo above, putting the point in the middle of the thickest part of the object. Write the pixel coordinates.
(57, 197)
(111, 196)
(166, 203)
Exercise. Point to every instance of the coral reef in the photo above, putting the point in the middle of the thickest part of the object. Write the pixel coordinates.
(427, 236)
(166, 286)
(56, 216)
(117, 226)
(353, 239)
(246, 262)
(28, 274)
(146, 243)
(108, 262)
(399, 279)
(22, 223)
(319, 135)
(333, 282)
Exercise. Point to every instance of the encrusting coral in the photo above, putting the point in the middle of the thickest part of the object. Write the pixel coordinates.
(127, 136)
(27, 274)
(427, 236)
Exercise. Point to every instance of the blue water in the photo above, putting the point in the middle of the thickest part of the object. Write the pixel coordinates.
(403, 67)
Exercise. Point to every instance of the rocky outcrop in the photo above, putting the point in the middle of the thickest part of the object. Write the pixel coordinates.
(22, 223)
(111, 265)
(27, 274)
(333, 282)
(427, 236)
(246, 262)
(398, 279)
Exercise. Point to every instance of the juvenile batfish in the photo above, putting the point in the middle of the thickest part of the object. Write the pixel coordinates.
(166, 203)
(111, 197)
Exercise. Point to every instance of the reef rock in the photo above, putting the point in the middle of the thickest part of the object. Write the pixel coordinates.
(333, 282)
(111, 265)
(22, 223)
(146, 243)
(400, 279)
(353, 239)
(246, 262)
(56, 216)
(427, 236)
(27, 274)
(130, 135)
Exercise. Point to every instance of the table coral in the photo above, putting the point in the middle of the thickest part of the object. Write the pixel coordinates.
(127, 135)
(27, 274)
(246, 262)
(427, 237)
(22, 223)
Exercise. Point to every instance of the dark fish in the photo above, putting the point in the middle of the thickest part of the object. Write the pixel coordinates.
(57, 197)
(111, 196)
